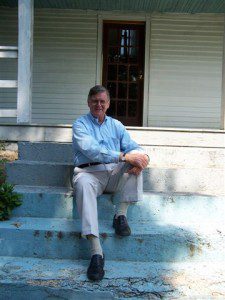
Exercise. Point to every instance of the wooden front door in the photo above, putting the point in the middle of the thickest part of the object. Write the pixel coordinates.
(123, 70)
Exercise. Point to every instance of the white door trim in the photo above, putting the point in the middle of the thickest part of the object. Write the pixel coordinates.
(99, 63)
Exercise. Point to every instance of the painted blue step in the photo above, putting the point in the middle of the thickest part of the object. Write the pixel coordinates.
(41, 279)
(161, 156)
(150, 241)
(154, 179)
(55, 202)
(39, 173)
(51, 152)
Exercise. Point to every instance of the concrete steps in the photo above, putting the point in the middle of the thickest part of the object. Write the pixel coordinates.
(150, 241)
(206, 181)
(56, 202)
(33, 278)
(176, 250)
(172, 169)
(163, 157)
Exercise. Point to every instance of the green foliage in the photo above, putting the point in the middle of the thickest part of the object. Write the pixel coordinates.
(8, 200)
(2, 145)
(2, 171)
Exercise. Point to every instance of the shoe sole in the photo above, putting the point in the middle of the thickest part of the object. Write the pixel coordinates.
(120, 233)
(97, 277)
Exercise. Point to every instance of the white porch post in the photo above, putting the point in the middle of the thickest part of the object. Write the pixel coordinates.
(222, 123)
(25, 60)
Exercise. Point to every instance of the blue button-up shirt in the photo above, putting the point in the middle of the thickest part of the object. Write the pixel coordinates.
(95, 142)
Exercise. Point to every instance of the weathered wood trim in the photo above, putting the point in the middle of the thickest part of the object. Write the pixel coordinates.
(25, 58)
(120, 16)
(222, 122)
(146, 71)
(8, 48)
(8, 83)
(8, 54)
(128, 18)
(98, 79)
(144, 136)
(8, 113)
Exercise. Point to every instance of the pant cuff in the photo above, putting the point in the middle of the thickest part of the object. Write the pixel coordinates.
(85, 233)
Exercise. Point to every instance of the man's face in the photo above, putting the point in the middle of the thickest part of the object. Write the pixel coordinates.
(98, 105)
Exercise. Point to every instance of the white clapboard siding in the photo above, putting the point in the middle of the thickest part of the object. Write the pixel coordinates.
(185, 67)
(64, 64)
(185, 70)
(8, 66)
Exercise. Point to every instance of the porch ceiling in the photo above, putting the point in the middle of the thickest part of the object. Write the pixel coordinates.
(175, 6)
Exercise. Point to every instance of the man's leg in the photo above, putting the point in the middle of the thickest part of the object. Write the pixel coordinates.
(87, 186)
(130, 189)
(86, 189)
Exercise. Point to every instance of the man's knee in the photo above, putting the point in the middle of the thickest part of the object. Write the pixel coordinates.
(83, 181)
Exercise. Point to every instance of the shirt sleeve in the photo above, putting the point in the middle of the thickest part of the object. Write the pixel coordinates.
(89, 146)
(128, 145)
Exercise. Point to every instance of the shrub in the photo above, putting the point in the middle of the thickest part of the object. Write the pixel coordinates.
(2, 145)
(2, 171)
(8, 200)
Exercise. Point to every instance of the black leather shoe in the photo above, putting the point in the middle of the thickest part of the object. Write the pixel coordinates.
(121, 226)
(95, 270)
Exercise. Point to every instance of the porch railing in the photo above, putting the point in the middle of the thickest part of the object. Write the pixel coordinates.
(8, 52)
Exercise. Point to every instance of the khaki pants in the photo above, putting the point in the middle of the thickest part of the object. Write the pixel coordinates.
(89, 183)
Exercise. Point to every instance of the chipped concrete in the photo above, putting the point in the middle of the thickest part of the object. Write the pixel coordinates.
(123, 280)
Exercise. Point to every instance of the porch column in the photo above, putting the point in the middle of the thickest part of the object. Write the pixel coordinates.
(222, 123)
(25, 60)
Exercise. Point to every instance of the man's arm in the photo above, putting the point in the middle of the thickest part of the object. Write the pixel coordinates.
(139, 161)
(133, 153)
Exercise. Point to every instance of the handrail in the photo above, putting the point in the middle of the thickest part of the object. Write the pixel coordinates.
(9, 48)
(8, 52)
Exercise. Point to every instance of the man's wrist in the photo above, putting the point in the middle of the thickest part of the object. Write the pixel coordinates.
(122, 157)
(148, 158)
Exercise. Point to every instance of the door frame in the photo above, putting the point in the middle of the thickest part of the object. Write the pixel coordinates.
(99, 58)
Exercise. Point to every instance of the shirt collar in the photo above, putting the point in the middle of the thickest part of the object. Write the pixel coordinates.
(94, 119)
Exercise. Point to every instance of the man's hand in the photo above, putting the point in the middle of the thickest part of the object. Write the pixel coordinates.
(135, 171)
(138, 160)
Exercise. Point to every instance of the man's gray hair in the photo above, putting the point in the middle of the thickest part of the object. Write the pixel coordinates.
(98, 89)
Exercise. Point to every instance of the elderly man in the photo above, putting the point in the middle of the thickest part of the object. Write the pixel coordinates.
(106, 160)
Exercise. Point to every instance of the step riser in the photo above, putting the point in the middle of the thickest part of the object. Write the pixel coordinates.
(51, 152)
(169, 157)
(203, 181)
(206, 181)
(24, 291)
(153, 208)
(164, 247)
(44, 205)
(39, 175)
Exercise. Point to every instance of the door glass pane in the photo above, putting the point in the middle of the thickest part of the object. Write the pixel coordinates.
(112, 37)
(122, 90)
(122, 74)
(133, 38)
(123, 54)
(112, 72)
(133, 55)
(112, 108)
(121, 108)
(133, 91)
(133, 73)
(113, 55)
(132, 108)
(111, 86)
(124, 37)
